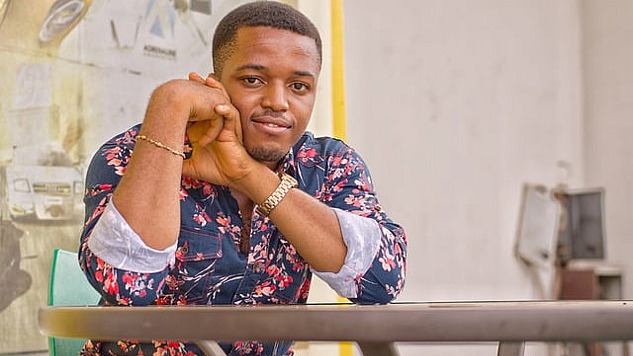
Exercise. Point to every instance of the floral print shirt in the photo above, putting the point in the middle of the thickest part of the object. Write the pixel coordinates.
(207, 267)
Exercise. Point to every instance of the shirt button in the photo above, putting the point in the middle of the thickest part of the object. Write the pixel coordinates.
(184, 250)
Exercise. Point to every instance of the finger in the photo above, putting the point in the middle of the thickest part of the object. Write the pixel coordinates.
(201, 133)
(231, 119)
(213, 82)
(202, 109)
(196, 131)
(214, 129)
(189, 169)
(196, 78)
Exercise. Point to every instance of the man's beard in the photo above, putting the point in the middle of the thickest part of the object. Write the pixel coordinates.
(263, 154)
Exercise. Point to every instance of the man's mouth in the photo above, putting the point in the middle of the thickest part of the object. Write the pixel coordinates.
(271, 125)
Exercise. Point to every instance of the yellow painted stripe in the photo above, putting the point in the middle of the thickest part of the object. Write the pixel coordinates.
(339, 127)
(346, 348)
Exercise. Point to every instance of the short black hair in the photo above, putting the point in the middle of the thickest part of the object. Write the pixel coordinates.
(259, 13)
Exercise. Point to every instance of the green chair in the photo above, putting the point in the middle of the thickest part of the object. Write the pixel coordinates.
(68, 287)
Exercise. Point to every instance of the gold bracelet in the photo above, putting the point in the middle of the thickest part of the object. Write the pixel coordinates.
(158, 144)
(287, 183)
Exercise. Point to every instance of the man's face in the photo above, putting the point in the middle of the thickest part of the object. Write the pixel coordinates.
(271, 78)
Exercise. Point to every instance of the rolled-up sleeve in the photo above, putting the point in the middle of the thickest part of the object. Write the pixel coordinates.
(362, 237)
(116, 243)
(375, 266)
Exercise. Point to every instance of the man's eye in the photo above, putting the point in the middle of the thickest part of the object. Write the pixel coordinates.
(299, 86)
(251, 80)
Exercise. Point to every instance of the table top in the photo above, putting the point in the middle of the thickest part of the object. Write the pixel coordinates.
(398, 322)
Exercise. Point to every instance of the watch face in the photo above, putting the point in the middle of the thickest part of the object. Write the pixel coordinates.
(62, 16)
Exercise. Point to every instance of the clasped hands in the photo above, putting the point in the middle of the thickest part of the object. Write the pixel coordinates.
(214, 130)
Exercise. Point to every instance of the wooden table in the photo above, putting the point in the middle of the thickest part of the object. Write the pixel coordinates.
(375, 328)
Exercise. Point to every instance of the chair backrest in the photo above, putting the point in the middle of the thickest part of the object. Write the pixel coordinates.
(68, 287)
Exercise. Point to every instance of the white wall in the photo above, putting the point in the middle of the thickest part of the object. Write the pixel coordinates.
(455, 104)
(607, 59)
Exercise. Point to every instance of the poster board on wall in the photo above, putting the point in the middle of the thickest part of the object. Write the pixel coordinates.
(75, 73)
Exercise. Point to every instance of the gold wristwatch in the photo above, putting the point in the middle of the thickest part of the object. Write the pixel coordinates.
(287, 183)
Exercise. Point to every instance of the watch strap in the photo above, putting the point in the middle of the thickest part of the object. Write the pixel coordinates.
(287, 183)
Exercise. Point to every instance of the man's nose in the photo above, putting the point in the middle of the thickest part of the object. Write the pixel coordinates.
(275, 98)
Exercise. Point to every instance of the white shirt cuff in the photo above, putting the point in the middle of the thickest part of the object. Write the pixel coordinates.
(113, 240)
(362, 237)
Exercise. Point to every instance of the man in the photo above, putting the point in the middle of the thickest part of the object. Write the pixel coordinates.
(251, 205)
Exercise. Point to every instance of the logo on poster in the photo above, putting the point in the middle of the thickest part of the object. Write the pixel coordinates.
(161, 17)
